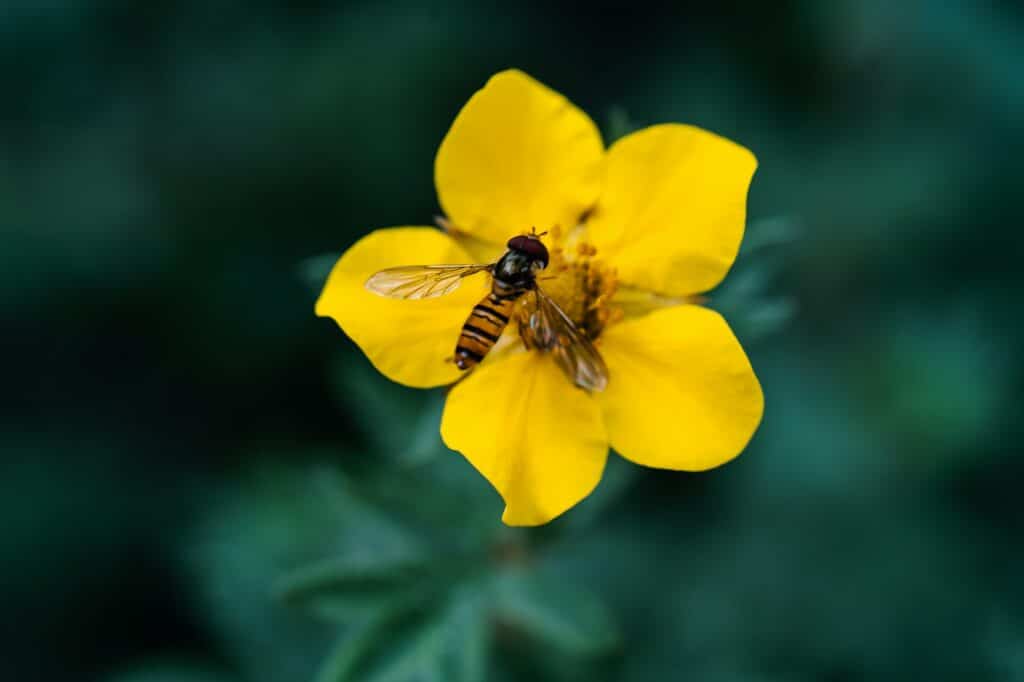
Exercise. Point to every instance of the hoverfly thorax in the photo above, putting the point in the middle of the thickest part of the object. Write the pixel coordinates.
(526, 255)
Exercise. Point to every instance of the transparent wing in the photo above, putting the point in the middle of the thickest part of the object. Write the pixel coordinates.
(421, 281)
(553, 331)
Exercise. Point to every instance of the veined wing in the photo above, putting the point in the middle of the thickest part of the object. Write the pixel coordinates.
(421, 281)
(553, 331)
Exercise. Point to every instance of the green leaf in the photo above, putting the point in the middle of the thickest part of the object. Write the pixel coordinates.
(745, 284)
(170, 670)
(745, 297)
(314, 271)
(619, 476)
(401, 422)
(344, 589)
(425, 436)
(451, 507)
(555, 615)
(766, 233)
(619, 124)
(442, 640)
(768, 317)
(279, 519)
(468, 640)
(350, 648)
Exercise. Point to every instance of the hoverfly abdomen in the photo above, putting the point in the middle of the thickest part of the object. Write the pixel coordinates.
(512, 276)
(483, 328)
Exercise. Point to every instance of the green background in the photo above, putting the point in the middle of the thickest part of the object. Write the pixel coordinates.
(203, 482)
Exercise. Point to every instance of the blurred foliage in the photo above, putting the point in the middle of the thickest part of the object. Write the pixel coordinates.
(203, 482)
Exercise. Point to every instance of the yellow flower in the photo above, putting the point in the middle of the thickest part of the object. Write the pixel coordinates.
(637, 231)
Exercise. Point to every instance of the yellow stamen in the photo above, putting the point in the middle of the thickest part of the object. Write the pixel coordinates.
(581, 285)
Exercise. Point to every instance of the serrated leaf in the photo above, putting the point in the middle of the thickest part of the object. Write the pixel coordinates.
(557, 616)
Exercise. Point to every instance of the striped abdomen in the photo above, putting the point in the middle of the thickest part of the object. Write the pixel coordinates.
(484, 325)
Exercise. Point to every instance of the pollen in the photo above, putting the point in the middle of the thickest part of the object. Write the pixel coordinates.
(580, 283)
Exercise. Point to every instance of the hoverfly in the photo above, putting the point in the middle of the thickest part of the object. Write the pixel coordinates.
(512, 276)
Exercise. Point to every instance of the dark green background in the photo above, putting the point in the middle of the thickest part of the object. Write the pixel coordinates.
(180, 434)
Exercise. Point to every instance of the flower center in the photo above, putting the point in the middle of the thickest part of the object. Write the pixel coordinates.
(581, 285)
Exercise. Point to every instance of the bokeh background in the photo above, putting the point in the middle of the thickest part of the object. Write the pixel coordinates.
(203, 482)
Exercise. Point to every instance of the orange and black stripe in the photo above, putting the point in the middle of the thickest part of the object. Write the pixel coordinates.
(484, 326)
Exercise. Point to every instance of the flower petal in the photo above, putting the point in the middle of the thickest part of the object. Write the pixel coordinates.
(538, 439)
(673, 208)
(681, 393)
(518, 155)
(410, 342)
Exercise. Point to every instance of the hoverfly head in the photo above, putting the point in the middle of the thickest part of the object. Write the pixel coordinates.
(532, 247)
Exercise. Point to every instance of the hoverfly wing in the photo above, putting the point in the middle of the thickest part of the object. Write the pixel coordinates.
(414, 282)
(573, 352)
